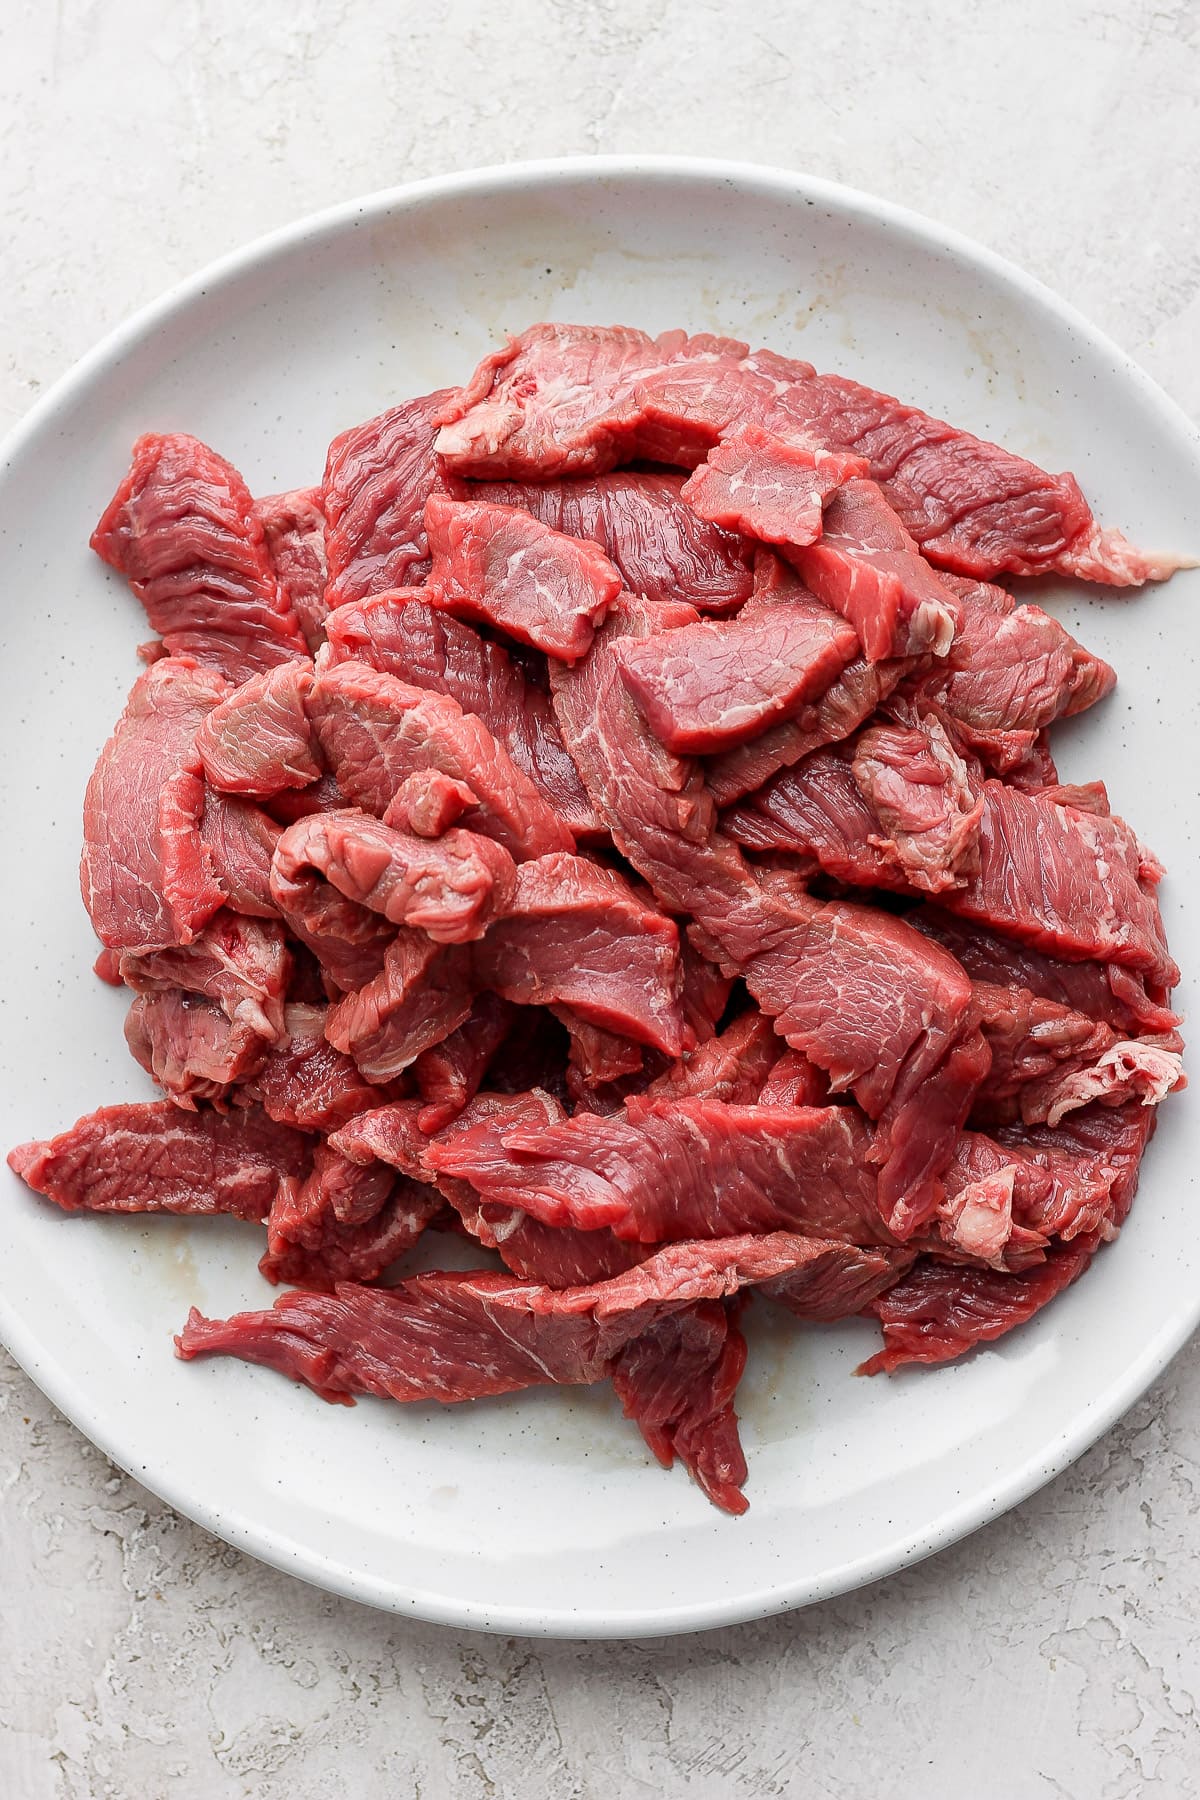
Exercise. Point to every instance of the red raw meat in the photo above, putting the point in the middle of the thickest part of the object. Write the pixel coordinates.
(794, 1081)
(239, 840)
(429, 803)
(940, 1311)
(304, 1081)
(677, 1382)
(376, 731)
(146, 879)
(923, 795)
(662, 548)
(423, 992)
(190, 1047)
(578, 935)
(401, 634)
(451, 887)
(732, 1067)
(1116, 1137)
(840, 1284)
(183, 531)
(344, 1222)
(378, 477)
(869, 567)
(243, 965)
(259, 740)
(596, 1056)
(708, 686)
(294, 530)
(349, 940)
(500, 565)
(158, 1158)
(1011, 671)
(1037, 1046)
(769, 487)
(451, 1073)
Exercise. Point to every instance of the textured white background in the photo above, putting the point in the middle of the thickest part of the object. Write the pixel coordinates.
(1053, 1655)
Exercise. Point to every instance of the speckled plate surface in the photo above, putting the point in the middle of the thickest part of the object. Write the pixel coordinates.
(542, 1513)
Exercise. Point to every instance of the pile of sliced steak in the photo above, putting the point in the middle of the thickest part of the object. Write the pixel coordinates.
(612, 818)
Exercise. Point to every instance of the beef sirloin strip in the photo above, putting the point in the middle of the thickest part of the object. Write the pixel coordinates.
(294, 531)
(449, 1074)
(304, 1081)
(375, 731)
(505, 568)
(184, 532)
(191, 1048)
(769, 487)
(343, 1222)
(400, 634)
(378, 477)
(661, 546)
(239, 840)
(258, 741)
(582, 399)
(157, 1158)
(146, 879)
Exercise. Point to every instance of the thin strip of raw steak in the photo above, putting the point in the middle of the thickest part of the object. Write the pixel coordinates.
(304, 1081)
(924, 797)
(732, 1067)
(349, 940)
(1104, 991)
(1011, 671)
(451, 887)
(596, 1057)
(344, 1222)
(294, 529)
(429, 803)
(503, 567)
(672, 1167)
(577, 934)
(400, 634)
(240, 841)
(467, 1334)
(183, 531)
(243, 965)
(1115, 1135)
(189, 1046)
(378, 477)
(662, 548)
(940, 1311)
(423, 992)
(770, 487)
(375, 731)
(158, 1158)
(708, 686)
(451, 1073)
(870, 568)
(259, 740)
(145, 877)
(677, 1382)
(584, 398)
(840, 1287)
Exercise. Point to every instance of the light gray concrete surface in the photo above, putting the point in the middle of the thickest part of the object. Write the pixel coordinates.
(1053, 1655)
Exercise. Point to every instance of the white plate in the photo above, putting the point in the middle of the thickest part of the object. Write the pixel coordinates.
(542, 1513)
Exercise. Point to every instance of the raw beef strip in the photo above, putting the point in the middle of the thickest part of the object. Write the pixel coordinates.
(294, 529)
(575, 399)
(304, 1081)
(240, 841)
(348, 940)
(344, 1222)
(1129, 1070)
(869, 567)
(429, 803)
(677, 1383)
(242, 965)
(663, 549)
(450, 1074)
(922, 794)
(1104, 991)
(794, 1081)
(1115, 1136)
(840, 1284)
(732, 1067)
(183, 531)
(467, 1334)
(709, 686)
(451, 887)
(769, 487)
(259, 740)
(578, 935)
(818, 815)
(423, 992)
(505, 568)
(673, 1167)
(706, 991)
(290, 804)
(193, 1051)
(378, 477)
(940, 1311)
(145, 877)
(401, 634)
(990, 1192)
(1037, 1046)
(157, 1158)
(375, 731)
(596, 1056)
(1011, 671)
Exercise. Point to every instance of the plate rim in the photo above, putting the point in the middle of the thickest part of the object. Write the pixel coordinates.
(273, 1547)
